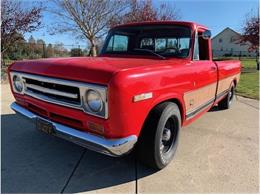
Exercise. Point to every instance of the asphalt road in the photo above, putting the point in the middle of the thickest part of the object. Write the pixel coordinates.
(219, 153)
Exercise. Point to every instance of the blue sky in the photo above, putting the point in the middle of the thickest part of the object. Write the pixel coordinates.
(215, 14)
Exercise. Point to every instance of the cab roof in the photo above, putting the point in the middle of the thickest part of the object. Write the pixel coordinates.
(193, 25)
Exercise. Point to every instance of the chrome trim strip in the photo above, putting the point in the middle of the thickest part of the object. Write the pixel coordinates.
(52, 91)
(195, 111)
(46, 99)
(83, 88)
(223, 93)
(143, 96)
(111, 147)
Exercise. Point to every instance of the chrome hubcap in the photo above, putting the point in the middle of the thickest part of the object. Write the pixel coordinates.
(166, 134)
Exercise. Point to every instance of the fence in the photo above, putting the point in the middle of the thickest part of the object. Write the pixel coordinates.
(231, 53)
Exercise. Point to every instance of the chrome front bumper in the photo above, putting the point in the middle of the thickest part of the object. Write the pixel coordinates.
(111, 147)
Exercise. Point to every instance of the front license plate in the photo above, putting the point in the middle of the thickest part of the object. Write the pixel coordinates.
(44, 126)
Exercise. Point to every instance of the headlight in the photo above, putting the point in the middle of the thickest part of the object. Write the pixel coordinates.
(18, 83)
(94, 100)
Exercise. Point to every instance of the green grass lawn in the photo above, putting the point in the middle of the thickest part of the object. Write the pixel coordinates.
(249, 80)
(248, 63)
(248, 85)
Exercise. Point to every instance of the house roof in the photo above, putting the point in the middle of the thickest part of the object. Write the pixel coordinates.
(227, 28)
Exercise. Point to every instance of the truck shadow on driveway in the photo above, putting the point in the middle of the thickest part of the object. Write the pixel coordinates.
(214, 109)
(33, 162)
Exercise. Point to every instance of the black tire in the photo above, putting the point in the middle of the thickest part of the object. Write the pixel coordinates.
(158, 141)
(227, 101)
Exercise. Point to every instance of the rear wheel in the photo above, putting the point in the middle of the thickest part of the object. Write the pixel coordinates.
(159, 137)
(227, 101)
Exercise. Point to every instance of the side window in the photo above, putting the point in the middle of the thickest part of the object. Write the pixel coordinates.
(118, 43)
(196, 55)
(201, 48)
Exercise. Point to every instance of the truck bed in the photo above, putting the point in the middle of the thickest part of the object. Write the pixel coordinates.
(228, 71)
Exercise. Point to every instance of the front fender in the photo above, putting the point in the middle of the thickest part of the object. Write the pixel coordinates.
(127, 117)
(173, 97)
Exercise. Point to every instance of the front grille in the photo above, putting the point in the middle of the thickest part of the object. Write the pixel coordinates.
(53, 91)
(61, 92)
(57, 91)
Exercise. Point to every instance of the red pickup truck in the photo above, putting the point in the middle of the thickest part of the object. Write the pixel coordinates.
(149, 80)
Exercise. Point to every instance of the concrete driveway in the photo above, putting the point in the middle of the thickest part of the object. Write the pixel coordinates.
(216, 154)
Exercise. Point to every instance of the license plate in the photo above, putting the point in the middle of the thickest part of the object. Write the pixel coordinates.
(44, 126)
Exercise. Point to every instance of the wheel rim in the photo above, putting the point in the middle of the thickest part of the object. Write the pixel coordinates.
(169, 135)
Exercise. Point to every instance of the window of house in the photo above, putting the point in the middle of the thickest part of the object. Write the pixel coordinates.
(220, 40)
(233, 39)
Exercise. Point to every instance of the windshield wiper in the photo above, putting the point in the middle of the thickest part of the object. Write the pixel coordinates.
(150, 51)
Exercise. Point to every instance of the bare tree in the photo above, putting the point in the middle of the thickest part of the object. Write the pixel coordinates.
(140, 11)
(167, 11)
(85, 18)
(16, 21)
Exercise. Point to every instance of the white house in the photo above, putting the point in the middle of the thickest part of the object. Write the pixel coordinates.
(226, 43)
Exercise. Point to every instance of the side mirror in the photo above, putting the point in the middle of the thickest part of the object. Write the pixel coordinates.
(206, 34)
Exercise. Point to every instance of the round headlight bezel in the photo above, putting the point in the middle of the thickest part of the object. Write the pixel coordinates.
(99, 99)
(18, 83)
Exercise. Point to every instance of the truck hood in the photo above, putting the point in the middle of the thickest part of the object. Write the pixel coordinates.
(86, 69)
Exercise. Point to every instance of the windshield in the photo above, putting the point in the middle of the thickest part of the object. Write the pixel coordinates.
(157, 40)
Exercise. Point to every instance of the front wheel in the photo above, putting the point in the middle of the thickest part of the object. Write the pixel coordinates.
(159, 137)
